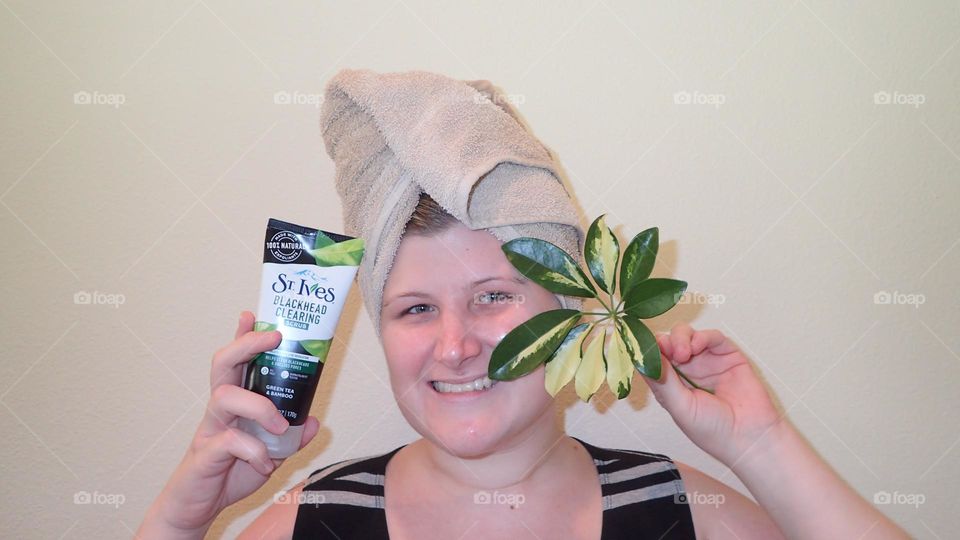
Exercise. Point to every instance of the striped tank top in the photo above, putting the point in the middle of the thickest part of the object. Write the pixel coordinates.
(643, 497)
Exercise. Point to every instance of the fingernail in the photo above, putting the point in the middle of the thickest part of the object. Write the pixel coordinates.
(280, 422)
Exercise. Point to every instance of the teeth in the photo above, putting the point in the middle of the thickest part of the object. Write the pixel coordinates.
(482, 383)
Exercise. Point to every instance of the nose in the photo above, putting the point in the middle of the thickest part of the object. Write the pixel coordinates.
(458, 341)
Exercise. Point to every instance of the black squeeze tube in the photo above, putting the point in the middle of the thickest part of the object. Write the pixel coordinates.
(307, 274)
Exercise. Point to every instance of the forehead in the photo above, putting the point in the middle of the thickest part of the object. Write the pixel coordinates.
(458, 253)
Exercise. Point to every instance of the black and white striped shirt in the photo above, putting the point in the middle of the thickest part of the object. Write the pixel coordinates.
(643, 497)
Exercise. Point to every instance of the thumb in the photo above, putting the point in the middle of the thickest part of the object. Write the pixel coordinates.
(669, 390)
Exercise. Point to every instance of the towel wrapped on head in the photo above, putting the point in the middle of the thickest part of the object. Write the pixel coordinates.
(393, 136)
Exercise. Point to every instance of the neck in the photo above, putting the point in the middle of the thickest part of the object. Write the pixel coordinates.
(521, 463)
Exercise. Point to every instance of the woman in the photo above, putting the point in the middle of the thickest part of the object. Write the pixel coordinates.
(506, 439)
(493, 462)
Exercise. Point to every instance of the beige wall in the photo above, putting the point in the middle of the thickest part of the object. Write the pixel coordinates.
(779, 183)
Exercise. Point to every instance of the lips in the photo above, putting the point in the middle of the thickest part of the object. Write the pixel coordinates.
(476, 385)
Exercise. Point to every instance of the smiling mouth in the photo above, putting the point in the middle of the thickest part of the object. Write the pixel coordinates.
(479, 384)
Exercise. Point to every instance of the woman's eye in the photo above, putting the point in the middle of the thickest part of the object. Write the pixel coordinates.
(415, 309)
(496, 297)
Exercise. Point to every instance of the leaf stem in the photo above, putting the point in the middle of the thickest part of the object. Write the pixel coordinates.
(693, 384)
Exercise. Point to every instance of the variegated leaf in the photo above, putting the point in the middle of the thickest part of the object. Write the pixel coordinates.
(590, 374)
(652, 297)
(530, 344)
(642, 346)
(549, 266)
(601, 250)
(619, 366)
(563, 365)
(638, 259)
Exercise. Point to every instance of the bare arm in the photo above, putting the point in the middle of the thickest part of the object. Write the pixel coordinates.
(277, 521)
(739, 425)
(804, 495)
(721, 512)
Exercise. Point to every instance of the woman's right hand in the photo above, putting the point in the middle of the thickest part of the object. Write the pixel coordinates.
(223, 463)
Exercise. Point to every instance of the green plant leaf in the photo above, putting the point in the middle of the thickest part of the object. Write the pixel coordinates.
(638, 259)
(589, 375)
(549, 266)
(653, 296)
(642, 346)
(619, 365)
(261, 326)
(562, 366)
(602, 250)
(317, 347)
(530, 344)
(346, 253)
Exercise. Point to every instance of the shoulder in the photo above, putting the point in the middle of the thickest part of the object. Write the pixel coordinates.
(658, 472)
(279, 519)
(345, 469)
(634, 478)
(716, 509)
(720, 511)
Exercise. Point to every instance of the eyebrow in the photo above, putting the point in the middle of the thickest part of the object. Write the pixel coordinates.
(519, 280)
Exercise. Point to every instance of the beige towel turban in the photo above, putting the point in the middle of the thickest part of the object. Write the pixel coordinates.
(395, 135)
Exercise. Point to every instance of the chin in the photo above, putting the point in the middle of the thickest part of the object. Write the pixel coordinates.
(463, 438)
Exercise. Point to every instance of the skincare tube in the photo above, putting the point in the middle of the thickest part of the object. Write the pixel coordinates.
(307, 274)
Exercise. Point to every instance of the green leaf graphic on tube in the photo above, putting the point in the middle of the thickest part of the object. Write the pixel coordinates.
(261, 326)
(317, 347)
(347, 253)
(617, 342)
(322, 241)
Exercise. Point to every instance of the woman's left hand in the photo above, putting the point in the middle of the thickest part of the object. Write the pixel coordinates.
(724, 424)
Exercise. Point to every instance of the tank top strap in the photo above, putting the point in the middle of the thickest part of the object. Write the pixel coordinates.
(345, 500)
(643, 495)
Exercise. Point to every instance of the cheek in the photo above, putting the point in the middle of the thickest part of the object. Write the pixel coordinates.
(493, 326)
(405, 351)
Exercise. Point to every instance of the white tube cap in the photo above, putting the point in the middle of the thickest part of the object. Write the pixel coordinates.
(278, 446)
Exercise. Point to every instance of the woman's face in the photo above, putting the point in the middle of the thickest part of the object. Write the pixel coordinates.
(448, 300)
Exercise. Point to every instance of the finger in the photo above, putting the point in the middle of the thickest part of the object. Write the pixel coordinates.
(718, 343)
(228, 362)
(229, 402)
(233, 444)
(666, 349)
(706, 339)
(310, 429)
(245, 324)
(669, 391)
(680, 336)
